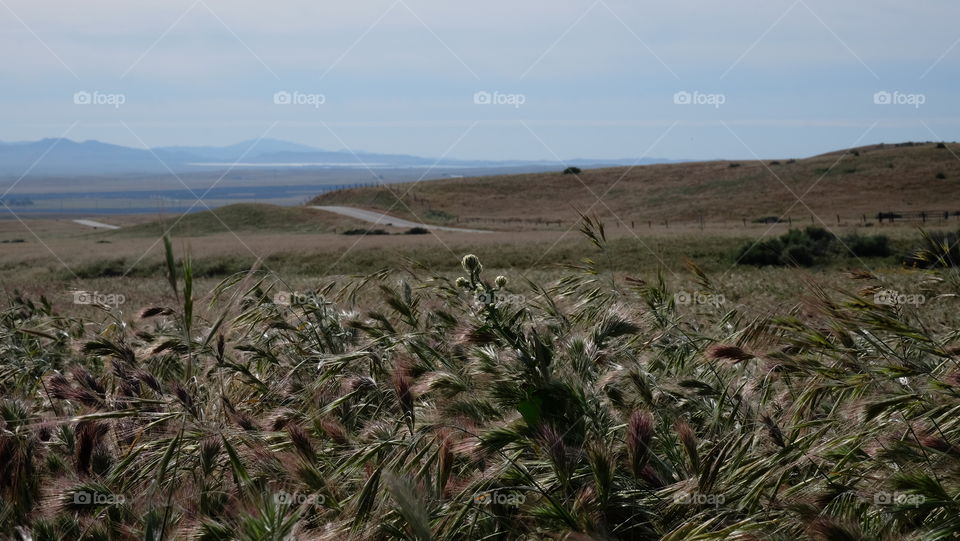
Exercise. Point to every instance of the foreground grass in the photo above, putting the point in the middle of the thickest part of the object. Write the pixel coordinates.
(599, 407)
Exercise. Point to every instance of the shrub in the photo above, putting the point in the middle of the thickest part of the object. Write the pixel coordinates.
(572, 171)
(811, 246)
(365, 232)
(416, 231)
(941, 175)
(867, 245)
(761, 254)
(941, 145)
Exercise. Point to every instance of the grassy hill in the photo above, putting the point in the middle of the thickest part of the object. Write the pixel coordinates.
(866, 180)
(242, 217)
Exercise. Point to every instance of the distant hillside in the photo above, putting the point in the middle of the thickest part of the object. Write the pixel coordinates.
(241, 218)
(850, 183)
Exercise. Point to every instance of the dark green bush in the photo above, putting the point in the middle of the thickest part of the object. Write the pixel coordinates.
(811, 246)
(868, 245)
(365, 232)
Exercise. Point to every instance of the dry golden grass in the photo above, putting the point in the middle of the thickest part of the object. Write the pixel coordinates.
(851, 184)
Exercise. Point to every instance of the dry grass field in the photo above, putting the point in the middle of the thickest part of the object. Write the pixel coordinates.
(261, 374)
(851, 184)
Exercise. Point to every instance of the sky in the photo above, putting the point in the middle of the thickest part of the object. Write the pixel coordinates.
(494, 80)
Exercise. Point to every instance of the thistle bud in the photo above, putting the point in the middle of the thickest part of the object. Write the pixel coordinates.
(463, 283)
(471, 263)
(501, 281)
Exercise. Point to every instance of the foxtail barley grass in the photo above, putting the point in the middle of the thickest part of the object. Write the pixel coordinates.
(593, 408)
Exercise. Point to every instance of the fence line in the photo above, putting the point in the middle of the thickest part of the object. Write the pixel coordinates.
(932, 217)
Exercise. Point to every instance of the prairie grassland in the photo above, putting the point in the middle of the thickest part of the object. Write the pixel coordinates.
(598, 402)
(302, 246)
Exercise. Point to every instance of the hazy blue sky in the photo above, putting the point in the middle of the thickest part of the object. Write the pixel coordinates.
(577, 78)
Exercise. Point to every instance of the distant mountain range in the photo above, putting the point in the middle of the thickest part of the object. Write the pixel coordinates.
(64, 157)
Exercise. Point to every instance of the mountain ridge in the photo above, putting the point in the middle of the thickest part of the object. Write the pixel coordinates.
(64, 156)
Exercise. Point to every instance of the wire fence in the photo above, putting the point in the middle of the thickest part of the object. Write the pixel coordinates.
(886, 217)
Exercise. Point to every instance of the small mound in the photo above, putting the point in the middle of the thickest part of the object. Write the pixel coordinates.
(245, 217)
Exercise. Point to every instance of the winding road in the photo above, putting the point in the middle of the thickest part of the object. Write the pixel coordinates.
(386, 219)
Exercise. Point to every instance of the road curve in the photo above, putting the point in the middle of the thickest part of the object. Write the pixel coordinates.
(385, 219)
(96, 224)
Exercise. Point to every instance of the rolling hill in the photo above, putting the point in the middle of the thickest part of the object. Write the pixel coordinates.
(240, 218)
(851, 183)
